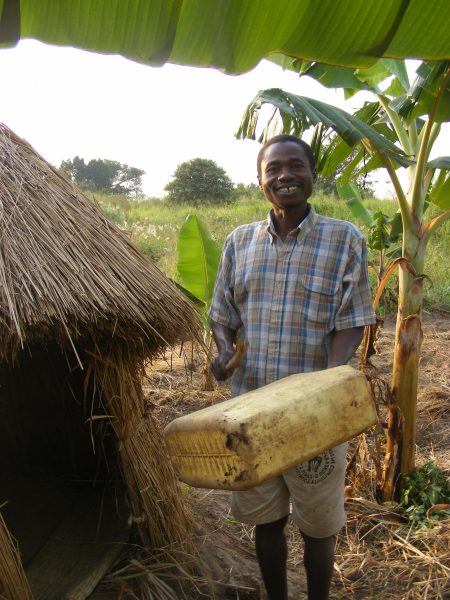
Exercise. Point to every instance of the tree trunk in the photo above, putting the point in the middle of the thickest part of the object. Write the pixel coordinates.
(401, 435)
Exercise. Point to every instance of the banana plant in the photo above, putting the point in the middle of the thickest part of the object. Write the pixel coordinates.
(396, 130)
(198, 262)
(382, 230)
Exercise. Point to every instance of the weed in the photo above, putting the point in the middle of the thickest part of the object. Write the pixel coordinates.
(423, 488)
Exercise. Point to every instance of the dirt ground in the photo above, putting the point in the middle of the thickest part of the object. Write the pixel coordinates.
(377, 555)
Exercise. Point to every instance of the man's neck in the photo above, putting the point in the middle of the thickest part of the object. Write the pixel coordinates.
(286, 221)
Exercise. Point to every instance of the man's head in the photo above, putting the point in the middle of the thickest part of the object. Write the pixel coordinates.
(286, 172)
(286, 137)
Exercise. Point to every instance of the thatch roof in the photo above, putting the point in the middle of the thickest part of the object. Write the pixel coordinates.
(67, 273)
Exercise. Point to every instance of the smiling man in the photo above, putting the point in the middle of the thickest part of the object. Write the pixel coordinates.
(296, 288)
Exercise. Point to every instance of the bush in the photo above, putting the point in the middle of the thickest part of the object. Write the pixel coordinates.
(199, 180)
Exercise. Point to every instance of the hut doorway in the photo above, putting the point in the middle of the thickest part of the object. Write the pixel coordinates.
(61, 491)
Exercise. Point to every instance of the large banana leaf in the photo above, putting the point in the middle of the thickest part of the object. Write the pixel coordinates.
(198, 259)
(299, 113)
(234, 35)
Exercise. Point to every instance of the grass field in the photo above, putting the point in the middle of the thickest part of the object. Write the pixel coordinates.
(153, 226)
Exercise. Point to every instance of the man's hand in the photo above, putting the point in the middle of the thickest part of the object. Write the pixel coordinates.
(224, 338)
(344, 343)
(219, 365)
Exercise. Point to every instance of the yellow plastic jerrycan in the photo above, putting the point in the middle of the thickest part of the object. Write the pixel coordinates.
(239, 443)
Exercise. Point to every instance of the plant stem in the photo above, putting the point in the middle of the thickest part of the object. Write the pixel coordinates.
(430, 131)
(397, 124)
(402, 201)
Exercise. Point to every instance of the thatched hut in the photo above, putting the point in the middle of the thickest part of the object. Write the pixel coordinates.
(81, 313)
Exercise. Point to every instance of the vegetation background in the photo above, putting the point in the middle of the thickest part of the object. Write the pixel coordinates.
(153, 225)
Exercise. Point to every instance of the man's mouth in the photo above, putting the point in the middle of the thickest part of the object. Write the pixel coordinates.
(287, 189)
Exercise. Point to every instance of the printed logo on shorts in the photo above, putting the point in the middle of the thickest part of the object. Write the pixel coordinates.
(317, 469)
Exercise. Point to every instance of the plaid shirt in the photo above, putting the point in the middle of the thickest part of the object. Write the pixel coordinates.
(288, 297)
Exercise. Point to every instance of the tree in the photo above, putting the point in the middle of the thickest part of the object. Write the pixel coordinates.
(397, 130)
(104, 175)
(199, 180)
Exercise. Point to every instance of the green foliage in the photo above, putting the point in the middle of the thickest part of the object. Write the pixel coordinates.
(198, 259)
(243, 191)
(382, 229)
(235, 36)
(154, 227)
(198, 262)
(423, 488)
(198, 181)
(379, 236)
(103, 175)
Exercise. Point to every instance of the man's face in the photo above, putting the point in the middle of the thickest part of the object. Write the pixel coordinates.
(286, 177)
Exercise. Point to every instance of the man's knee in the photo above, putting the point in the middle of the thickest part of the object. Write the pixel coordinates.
(312, 541)
(273, 527)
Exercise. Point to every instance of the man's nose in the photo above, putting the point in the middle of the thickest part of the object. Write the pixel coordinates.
(285, 173)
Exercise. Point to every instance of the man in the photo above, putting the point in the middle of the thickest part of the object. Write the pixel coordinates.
(296, 288)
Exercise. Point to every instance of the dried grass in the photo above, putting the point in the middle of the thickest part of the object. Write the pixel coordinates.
(379, 556)
(13, 581)
(163, 574)
(153, 491)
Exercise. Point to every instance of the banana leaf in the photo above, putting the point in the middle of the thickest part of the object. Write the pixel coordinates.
(236, 34)
(299, 113)
(350, 193)
(440, 192)
(198, 259)
(379, 237)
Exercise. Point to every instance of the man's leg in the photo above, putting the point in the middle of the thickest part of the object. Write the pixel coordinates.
(318, 560)
(271, 551)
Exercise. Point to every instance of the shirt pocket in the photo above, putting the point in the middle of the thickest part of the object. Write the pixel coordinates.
(322, 298)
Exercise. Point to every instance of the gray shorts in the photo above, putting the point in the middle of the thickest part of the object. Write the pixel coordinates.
(315, 489)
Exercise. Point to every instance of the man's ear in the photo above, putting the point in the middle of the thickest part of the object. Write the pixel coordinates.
(258, 177)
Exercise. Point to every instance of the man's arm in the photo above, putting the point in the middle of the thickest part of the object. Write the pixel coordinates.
(224, 337)
(343, 345)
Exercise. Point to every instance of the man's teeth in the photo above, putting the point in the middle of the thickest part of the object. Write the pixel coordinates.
(288, 188)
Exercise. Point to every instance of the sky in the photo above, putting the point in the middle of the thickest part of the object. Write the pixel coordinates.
(67, 102)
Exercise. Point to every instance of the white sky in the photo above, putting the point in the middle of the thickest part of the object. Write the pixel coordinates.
(67, 102)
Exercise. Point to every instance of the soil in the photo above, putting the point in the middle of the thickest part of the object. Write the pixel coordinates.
(368, 564)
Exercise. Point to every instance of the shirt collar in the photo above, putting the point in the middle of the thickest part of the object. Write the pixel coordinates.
(305, 225)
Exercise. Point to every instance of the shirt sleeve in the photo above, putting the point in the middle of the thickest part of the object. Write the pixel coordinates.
(356, 306)
(223, 308)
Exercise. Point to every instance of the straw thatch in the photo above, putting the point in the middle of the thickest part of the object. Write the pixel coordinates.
(66, 272)
(81, 312)
(13, 582)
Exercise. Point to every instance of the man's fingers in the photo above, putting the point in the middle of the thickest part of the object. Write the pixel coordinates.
(237, 357)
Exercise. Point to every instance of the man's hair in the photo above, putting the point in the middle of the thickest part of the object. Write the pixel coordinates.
(285, 137)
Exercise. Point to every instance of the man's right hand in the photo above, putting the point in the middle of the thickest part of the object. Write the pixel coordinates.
(219, 365)
(224, 337)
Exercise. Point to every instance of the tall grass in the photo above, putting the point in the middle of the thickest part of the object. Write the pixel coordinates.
(154, 226)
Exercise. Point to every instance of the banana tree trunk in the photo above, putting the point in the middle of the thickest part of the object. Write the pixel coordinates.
(401, 435)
